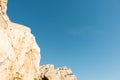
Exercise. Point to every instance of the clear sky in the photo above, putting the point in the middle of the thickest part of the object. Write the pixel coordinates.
(81, 34)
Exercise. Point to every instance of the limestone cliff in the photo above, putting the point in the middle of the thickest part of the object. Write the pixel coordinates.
(20, 54)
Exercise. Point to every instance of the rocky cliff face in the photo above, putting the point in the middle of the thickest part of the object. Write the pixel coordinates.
(20, 54)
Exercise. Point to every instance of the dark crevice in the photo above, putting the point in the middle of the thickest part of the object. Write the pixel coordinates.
(45, 78)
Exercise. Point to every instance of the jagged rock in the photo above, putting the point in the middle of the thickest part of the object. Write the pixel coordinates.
(48, 72)
(20, 54)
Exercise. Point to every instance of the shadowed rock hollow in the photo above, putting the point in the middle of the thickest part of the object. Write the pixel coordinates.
(20, 54)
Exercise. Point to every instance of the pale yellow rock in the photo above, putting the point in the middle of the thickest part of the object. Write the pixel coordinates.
(48, 72)
(19, 53)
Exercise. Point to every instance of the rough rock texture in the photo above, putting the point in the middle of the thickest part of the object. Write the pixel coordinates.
(20, 54)
(47, 72)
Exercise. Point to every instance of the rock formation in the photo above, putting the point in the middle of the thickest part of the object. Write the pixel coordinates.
(47, 72)
(20, 54)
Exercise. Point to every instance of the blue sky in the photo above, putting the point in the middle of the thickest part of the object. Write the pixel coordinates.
(81, 34)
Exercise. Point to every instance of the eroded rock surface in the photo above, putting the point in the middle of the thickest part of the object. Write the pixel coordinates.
(20, 54)
(48, 72)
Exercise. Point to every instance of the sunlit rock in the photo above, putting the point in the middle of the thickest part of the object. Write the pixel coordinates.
(20, 54)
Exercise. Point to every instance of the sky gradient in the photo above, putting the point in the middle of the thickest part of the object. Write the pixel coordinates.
(81, 34)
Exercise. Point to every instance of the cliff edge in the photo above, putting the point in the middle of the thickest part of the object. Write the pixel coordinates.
(20, 54)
